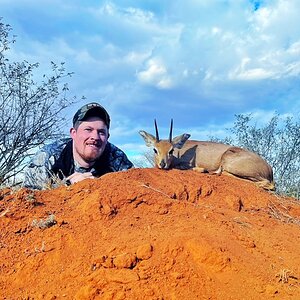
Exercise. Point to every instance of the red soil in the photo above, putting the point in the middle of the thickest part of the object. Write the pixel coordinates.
(150, 234)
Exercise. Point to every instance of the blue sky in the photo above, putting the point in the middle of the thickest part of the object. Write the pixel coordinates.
(199, 62)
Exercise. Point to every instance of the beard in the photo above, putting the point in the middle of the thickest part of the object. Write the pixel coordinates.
(86, 154)
(92, 152)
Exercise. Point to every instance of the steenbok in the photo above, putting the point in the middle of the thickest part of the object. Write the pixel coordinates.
(211, 157)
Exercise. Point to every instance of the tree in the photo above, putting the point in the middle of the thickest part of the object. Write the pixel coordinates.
(278, 142)
(146, 160)
(30, 112)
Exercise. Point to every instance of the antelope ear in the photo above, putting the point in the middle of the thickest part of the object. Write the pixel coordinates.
(148, 138)
(180, 140)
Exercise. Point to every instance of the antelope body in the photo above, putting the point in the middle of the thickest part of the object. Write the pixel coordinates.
(211, 157)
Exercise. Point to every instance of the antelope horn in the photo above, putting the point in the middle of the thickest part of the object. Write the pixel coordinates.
(171, 129)
(156, 131)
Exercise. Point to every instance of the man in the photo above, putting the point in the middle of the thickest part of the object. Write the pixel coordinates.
(88, 154)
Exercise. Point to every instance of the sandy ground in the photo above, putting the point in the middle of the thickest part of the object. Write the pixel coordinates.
(150, 234)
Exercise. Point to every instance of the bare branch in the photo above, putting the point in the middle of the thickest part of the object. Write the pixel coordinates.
(30, 111)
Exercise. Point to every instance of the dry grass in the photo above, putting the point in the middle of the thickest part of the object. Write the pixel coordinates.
(242, 221)
(281, 207)
(280, 211)
(3, 214)
(156, 190)
(284, 275)
(54, 182)
(41, 249)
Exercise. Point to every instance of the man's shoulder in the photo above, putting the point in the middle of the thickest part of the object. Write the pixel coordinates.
(49, 152)
(56, 146)
(117, 158)
(114, 150)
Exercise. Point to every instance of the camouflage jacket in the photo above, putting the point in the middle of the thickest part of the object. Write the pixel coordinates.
(55, 161)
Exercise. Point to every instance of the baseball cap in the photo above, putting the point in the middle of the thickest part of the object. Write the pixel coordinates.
(91, 110)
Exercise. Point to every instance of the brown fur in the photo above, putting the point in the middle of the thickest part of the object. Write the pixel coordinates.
(211, 157)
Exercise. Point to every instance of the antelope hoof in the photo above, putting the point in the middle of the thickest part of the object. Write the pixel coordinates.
(217, 172)
(199, 169)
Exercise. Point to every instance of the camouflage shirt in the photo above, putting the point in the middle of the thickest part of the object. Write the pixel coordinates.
(55, 161)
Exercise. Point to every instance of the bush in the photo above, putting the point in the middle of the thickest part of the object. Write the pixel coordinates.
(278, 142)
(30, 112)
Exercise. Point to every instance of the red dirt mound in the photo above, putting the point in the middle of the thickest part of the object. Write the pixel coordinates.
(150, 234)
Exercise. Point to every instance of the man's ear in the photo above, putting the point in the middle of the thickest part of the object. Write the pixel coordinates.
(180, 140)
(72, 132)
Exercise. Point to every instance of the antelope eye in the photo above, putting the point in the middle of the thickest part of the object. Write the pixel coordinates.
(155, 151)
(171, 151)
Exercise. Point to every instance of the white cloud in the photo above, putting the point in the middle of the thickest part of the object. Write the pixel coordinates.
(294, 49)
(146, 58)
(242, 72)
(136, 58)
(155, 74)
(254, 74)
(130, 14)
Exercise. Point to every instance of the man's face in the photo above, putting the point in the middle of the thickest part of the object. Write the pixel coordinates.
(89, 139)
